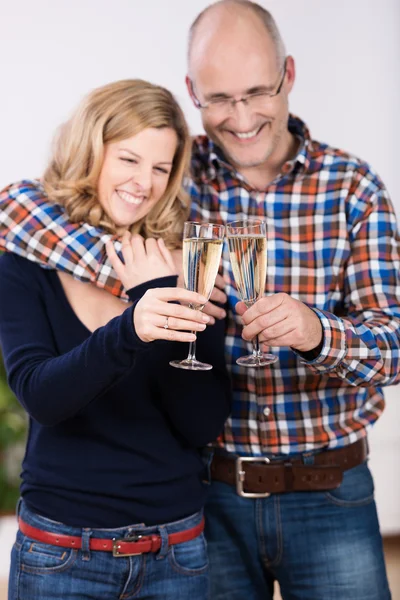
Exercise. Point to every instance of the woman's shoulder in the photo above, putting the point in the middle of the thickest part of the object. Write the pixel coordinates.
(14, 268)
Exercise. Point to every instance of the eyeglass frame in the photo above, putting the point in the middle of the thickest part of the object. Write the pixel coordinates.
(243, 99)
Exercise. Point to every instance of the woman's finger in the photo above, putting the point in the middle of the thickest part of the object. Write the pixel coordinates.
(178, 295)
(174, 336)
(114, 259)
(178, 324)
(166, 309)
(166, 254)
(138, 248)
(126, 248)
(152, 248)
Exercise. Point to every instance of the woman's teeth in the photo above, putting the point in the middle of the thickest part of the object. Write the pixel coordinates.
(126, 197)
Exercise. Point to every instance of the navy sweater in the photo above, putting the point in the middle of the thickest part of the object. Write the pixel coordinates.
(114, 431)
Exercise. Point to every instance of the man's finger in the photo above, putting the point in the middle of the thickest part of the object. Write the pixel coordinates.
(218, 296)
(220, 282)
(214, 311)
(263, 306)
(240, 308)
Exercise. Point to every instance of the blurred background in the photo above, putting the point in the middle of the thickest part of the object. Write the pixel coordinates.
(347, 90)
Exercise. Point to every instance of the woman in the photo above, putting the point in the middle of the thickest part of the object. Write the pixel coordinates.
(112, 488)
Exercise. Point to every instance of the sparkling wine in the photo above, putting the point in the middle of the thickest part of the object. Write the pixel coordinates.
(248, 254)
(201, 258)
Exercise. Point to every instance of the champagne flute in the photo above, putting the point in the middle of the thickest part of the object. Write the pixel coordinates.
(202, 249)
(247, 242)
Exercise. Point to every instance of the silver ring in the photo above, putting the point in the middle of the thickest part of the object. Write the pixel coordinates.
(166, 326)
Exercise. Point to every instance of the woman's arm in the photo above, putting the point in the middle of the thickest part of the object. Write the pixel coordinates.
(50, 386)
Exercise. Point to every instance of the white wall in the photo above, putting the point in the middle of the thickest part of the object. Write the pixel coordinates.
(348, 91)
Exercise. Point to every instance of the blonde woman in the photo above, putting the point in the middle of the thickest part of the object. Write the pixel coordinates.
(112, 482)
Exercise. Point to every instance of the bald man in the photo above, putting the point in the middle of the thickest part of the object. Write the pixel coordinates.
(291, 496)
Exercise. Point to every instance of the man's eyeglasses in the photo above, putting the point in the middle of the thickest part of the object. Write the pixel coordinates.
(226, 105)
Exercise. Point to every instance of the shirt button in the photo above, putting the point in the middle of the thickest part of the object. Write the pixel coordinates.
(267, 411)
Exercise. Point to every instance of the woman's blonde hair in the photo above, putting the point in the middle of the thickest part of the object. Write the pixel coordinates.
(112, 113)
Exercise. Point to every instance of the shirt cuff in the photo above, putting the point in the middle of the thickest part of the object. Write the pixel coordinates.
(334, 347)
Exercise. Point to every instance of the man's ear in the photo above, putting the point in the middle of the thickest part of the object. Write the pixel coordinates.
(189, 86)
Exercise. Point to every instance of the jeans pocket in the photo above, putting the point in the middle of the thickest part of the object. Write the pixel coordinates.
(356, 489)
(39, 558)
(190, 558)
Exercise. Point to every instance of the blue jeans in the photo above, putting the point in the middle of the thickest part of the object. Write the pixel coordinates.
(44, 572)
(318, 545)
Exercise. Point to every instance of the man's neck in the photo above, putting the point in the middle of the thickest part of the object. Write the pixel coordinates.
(262, 175)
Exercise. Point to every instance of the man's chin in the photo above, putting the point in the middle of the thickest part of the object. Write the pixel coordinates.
(240, 161)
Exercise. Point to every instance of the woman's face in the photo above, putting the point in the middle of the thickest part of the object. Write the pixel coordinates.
(135, 174)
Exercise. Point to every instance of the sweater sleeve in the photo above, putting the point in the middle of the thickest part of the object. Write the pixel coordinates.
(54, 387)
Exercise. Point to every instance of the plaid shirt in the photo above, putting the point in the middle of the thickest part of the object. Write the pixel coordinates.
(332, 243)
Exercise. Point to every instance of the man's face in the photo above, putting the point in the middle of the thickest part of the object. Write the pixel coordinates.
(248, 133)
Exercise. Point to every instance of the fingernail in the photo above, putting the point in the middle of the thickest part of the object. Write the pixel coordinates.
(223, 314)
(202, 327)
(212, 321)
(205, 318)
(192, 338)
(203, 300)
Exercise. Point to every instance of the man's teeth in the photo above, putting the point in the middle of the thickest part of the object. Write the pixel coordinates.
(249, 134)
(129, 198)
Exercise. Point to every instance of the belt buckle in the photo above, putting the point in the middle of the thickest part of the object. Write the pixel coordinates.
(240, 476)
(116, 546)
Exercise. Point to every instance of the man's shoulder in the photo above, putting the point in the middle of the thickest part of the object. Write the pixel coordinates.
(342, 163)
(25, 187)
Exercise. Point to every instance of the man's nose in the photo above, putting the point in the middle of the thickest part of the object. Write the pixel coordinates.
(242, 116)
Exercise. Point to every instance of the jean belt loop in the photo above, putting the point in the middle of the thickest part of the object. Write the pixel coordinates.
(163, 533)
(86, 533)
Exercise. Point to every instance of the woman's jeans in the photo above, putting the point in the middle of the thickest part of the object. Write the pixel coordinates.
(318, 545)
(44, 572)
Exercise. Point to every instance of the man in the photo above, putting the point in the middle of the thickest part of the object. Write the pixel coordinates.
(291, 497)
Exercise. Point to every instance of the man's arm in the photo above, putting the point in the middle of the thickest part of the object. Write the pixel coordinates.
(37, 229)
(362, 346)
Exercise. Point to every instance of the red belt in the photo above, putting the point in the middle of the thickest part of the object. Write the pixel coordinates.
(121, 547)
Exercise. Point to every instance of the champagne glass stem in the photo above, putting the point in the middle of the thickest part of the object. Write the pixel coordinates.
(192, 349)
(256, 347)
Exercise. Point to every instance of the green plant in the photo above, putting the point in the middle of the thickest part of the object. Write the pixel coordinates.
(13, 427)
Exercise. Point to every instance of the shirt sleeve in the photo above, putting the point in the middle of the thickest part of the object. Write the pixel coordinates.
(35, 228)
(54, 387)
(362, 344)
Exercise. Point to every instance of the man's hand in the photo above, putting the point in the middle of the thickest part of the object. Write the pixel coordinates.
(217, 295)
(280, 320)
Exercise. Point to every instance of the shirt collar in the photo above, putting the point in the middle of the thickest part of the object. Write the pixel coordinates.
(217, 163)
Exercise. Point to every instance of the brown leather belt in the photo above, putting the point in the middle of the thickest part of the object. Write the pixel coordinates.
(120, 548)
(258, 477)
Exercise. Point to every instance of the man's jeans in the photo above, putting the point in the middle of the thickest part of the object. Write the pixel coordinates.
(318, 545)
(44, 572)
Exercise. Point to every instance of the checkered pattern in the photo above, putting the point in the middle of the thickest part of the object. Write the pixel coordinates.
(33, 227)
(332, 243)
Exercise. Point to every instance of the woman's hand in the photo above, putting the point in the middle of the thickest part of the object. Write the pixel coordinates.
(155, 318)
(144, 260)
